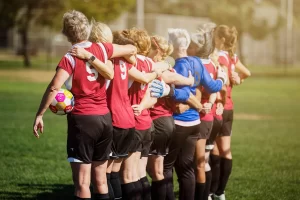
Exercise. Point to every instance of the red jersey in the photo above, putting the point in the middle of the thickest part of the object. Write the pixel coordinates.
(213, 110)
(226, 60)
(163, 107)
(137, 91)
(85, 83)
(117, 96)
(211, 69)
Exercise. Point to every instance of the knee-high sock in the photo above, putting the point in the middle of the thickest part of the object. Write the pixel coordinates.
(101, 197)
(146, 195)
(128, 191)
(207, 185)
(138, 190)
(199, 191)
(116, 184)
(225, 171)
(110, 189)
(215, 171)
(158, 190)
(169, 185)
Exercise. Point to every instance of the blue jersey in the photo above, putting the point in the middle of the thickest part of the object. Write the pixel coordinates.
(202, 77)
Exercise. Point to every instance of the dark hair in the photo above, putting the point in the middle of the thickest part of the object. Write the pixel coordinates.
(205, 42)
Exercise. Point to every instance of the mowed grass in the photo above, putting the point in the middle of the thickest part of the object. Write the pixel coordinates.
(265, 143)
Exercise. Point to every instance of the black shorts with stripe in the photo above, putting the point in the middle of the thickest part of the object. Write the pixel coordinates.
(89, 137)
(122, 142)
(164, 128)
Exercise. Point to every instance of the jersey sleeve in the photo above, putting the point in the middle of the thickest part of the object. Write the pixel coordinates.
(209, 83)
(67, 63)
(182, 93)
(109, 49)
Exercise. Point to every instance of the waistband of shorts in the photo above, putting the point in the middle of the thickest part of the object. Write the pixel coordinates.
(190, 123)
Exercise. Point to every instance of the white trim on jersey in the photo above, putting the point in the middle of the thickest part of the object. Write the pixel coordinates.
(104, 51)
(130, 82)
(107, 82)
(141, 57)
(205, 61)
(83, 45)
(224, 54)
(71, 59)
(71, 159)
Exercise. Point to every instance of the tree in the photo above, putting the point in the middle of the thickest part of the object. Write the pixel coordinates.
(25, 13)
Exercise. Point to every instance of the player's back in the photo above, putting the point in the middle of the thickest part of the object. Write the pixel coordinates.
(85, 83)
(117, 95)
(137, 92)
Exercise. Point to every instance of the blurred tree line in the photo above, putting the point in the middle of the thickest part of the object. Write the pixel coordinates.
(23, 13)
(238, 13)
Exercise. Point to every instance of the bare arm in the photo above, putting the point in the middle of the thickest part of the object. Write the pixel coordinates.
(124, 51)
(177, 79)
(141, 77)
(147, 102)
(58, 80)
(192, 102)
(242, 70)
(106, 70)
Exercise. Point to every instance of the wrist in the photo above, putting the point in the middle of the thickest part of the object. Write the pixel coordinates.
(90, 57)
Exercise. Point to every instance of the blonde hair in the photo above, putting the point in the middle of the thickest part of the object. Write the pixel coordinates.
(76, 26)
(137, 37)
(100, 33)
(161, 44)
(205, 43)
(179, 38)
(230, 36)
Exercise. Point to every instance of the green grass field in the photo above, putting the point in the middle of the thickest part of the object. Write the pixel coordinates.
(266, 142)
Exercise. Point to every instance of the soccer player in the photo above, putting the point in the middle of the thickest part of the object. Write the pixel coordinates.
(225, 41)
(187, 123)
(89, 124)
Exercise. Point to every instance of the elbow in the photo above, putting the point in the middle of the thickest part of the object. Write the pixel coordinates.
(109, 76)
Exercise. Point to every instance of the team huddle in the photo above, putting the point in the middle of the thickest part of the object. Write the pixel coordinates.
(135, 113)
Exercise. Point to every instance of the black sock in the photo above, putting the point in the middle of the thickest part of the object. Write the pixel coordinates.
(215, 171)
(146, 195)
(116, 184)
(169, 186)
(101, 196)
(128, 191)
(199, 190)
(138, 191)
(207, 185)
(158, 190)
(110, 189)
(78, 198)
(225, 171)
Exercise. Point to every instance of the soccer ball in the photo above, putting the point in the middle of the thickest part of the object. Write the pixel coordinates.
(63, 103)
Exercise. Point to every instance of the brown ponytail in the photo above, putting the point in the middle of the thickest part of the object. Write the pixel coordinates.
(230, 35)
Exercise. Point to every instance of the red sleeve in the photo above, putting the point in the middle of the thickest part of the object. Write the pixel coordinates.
(66, 64)
(223, 61)
(129, 65)
(109, 49)
(236, 59)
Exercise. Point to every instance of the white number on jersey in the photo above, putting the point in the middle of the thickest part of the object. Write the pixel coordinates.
(123, 69)
(91, 71)
(143, 85)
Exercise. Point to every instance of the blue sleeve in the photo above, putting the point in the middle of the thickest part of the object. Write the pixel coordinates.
(209, 83)
(182, 93)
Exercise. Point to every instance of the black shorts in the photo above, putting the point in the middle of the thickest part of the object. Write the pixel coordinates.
(227, 123)
(164, 128)
(142, 141)
(216, 129)
(89, 138)
(122, 141)
(205, 129)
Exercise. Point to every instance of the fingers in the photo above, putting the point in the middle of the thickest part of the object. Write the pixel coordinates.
(35, 131)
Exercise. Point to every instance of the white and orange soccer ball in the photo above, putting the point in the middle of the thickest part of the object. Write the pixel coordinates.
(63, 103)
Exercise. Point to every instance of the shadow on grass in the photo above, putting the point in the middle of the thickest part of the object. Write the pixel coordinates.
(45, 192)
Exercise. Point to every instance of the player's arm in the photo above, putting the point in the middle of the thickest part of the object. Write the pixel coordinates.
(58, 80)
(147, 102)
(243, 72)
(105, 69)
(127, 51)
(192, 102)
(208, 106)
(177, 79)
(209, 83)
(141, 77)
